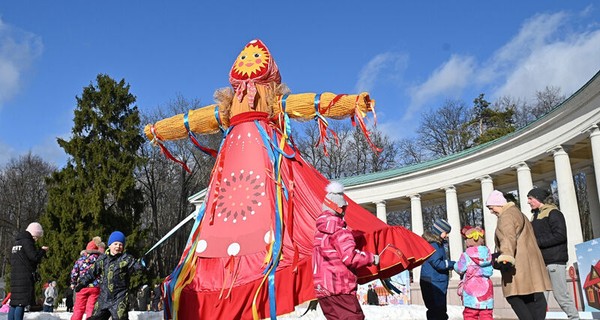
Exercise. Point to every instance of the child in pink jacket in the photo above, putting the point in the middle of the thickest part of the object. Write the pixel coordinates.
(335, 259)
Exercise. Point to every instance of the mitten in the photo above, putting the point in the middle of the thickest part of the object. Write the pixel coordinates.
(79, 286)
(505, 267)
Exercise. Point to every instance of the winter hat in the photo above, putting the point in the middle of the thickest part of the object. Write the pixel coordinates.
(35, 229)
(93, 245)
(474, 237)
(440, 226)
(539, 194)
(116, 236)
(496, 198)
(334, 197)
(474, 233)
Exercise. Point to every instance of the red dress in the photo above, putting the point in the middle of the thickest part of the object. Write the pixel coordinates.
(263, 197)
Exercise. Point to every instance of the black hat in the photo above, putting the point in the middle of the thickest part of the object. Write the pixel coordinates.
(539, 194)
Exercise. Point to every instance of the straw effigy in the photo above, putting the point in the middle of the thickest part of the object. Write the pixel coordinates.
(300, 107)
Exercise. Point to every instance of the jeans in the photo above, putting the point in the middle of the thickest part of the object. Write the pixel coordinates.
(16, 313)
(558, 277)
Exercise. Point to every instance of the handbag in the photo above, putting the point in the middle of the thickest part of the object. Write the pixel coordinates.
(49, 300)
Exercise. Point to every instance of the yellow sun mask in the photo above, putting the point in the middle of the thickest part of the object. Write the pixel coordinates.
(253, 66)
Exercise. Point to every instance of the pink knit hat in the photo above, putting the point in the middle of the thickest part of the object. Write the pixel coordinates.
(496, 198)
(35, 229)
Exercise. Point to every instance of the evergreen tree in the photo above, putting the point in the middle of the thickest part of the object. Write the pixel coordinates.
(490, 124)
(96, 192)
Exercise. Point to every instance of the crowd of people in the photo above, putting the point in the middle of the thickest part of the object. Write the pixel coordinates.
(98, 284)
(531, 256)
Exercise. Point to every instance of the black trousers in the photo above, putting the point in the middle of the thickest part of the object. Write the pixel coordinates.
(435, 300)
(529, 307)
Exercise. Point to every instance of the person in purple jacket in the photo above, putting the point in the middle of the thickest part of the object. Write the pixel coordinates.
(335, 259)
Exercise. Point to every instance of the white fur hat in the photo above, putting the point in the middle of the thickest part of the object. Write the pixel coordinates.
(335, 193)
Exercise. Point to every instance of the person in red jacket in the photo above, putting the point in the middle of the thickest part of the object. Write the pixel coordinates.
(335, 259)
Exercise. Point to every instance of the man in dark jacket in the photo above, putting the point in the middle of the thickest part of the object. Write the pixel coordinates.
(551, 234)
(24, 260)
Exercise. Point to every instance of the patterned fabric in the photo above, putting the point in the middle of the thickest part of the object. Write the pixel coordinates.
(81, 266)
(475, 264)
(335, 257)
(116, 274)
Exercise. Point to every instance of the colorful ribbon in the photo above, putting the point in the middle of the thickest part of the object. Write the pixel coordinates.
(158, 140)
(195, 142)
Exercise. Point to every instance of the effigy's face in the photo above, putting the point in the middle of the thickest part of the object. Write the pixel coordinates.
(252, 62)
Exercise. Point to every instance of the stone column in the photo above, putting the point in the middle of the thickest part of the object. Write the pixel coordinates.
(454, 239)
(567, 199)
(525, 185)
(416, 221)
(595, 142)
(381, 210)
(489, 219)
(593, 201)
(416, 214)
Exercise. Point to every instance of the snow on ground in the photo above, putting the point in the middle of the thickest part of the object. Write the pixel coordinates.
(371, 312)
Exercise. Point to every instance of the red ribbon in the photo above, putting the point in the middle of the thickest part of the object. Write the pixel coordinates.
(165, 151)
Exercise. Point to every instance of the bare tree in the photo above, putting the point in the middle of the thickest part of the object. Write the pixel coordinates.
(410, 152)
(366, 160)
(350, 154)
(307, 141)
(400, 218)
(167, 186)
(522, 111)
(546, 100)
(23, 198)
(443, 132)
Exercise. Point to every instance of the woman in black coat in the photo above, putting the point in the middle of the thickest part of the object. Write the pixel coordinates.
(24, 260)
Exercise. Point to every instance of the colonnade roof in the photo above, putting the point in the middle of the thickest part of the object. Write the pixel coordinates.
(593, 84)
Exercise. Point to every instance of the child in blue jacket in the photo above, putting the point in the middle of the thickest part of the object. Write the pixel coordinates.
(435, 272)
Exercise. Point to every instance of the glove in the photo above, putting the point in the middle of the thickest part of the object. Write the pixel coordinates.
(376, 259)
(505, 267)
(143, 262)
(79, 286)
(451, 264)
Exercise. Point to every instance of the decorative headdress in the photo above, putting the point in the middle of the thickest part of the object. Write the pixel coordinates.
(254, 65)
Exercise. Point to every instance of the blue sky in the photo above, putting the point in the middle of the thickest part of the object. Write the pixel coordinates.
(410, 55)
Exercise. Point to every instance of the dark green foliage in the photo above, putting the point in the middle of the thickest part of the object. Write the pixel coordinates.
(95, 193)
(491, 124)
